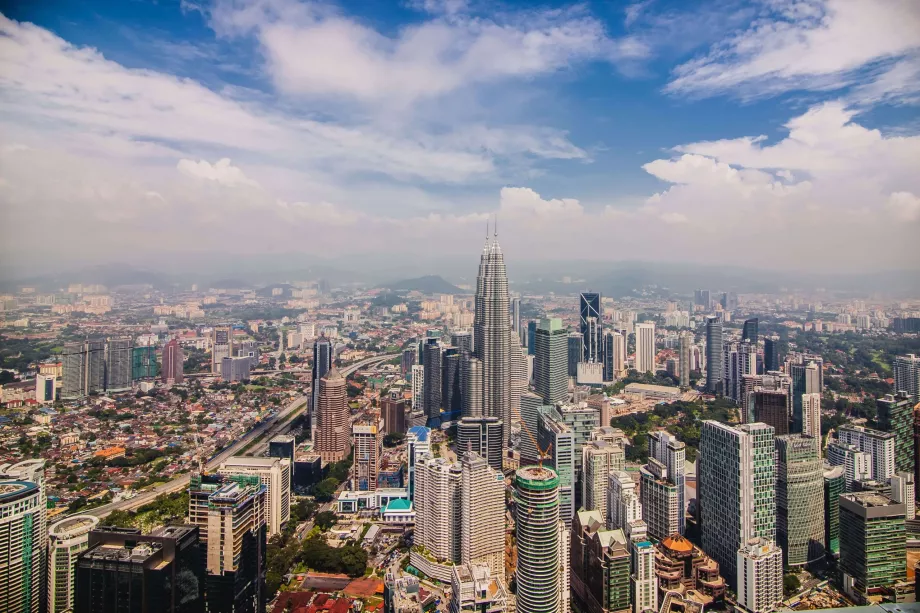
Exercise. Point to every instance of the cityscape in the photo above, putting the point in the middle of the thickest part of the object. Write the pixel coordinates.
(218, 398)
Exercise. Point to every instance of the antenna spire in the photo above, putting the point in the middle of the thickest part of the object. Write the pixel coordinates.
(487, 228)
(496, 225)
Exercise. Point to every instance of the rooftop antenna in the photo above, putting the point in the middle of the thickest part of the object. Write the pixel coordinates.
(496, 225)
(487, 228)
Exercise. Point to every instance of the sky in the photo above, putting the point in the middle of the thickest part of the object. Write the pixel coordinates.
(775, 134)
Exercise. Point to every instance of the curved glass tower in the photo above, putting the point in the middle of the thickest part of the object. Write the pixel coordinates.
(536, 497)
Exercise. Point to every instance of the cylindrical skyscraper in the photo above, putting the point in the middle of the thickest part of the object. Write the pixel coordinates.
(536, 520)
(67, 539)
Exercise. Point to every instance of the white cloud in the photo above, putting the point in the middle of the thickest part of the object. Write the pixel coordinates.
(905, 206)
(527, 204)
(808, 45)
(220, 172)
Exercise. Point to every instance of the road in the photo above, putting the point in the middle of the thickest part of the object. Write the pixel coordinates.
(271, 427)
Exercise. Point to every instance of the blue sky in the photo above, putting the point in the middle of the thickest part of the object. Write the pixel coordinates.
(676, 131)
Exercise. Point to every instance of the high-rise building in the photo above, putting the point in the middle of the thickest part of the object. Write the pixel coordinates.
(662, 486)
(550, 364)
(703, 298)
(230, 515)
(623, 506)
(394, 410)
(907, 376)
(760, 575)
(531, 407)
(44, 388)
(855, 464)
(173, 361)
(482, 516)
(903, 491)
(519, 378)
(645, 347)
(118, 364)
(332, 434)
(536, 495)
(771, 361)
(144, 363)
(322, 364)
(556, 436)
(221, 347)
(451, 395)
(516, 316)
(407, 361)
(806, 379)
(600, 573)
(799, 499)
(531, 331)
(84, 369)
(283, 446)
(739, 360)
(418, 388)
(591, 326)
(749, 331)
(879, 445)
(735, 490)
(492, 333)
(275, 475)
(811, 414)
(124, 571)
(872, 544)
(896, 415)
(575, 353)
(484, 436)
(475, 588)
(368, 447)
(471, 380)
(834, 486)
(600, 459)
(714, 368)
(235, 369)
(433, 384)
(463, 341)
(771, 407)
(686, 340)
(418, 445)
(67, 539)
(643, 581)
(438, 508)
(23, 535)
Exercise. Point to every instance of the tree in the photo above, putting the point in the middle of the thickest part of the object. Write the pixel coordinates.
(324, 491)
(791, 585)
(393, 439)
(325, 520)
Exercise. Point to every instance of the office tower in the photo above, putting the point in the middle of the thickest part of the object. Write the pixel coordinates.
(760, 575)
(118, 364)
(536, 495)
(575, 353)
(771, 407)
(418, 445)
(124, 571)
(811, 414)
(484, 436)
(702, 297)
(558, 439)
(645, 348)
(519, 378)
(44, 388)
(463, 341)
(714, 367)
(144, 363)
(393, 410)
(451, 396)
(609, 373)
(322, 363)
(856, 464)
(799, 498)
(879, 445)
(735, 490)
(438, 508)
(332, 435)
(23, 535)
(407, 361)
(600, 459)
(686, 340)
(623, 506)
(368, 447)
(516, 316)
(418, 387)
(477, 589)
(235, 369)
(600, 573)
(84, 369)
(907, 376)
(749, 331)
(433, 384)
(275, 475)
(482, 517)
(806, 379)
(771, 359)
(471, 380)
(564, 584)
(834, 486)
(739, 360)
(492, 333)
(173, 362)
(222, 347)
(550, 362)
(591, 326)
(531, 407)
(661, 490)
(872, 544)
(643, 581)
(531, 331)
(283, 446)
(903, 491)
(67, 539)
(896, 415)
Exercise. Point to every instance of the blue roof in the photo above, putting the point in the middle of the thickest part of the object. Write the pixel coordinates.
(398, 504)
(421, 432)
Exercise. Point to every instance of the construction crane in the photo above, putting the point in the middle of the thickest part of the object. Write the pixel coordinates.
(543, 455)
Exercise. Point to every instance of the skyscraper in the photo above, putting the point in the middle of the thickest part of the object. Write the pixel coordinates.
(811, 414)
(771, 359)
(623, 506)
(662, 486)
(907, 376)
(471, 378)
(492, 332)
(686, 340)
(418, 388)
(591, 326)
(879, 445)
(600, 459)
(173, 361)
(760, 575)
(645, 347)
(393, 410)
(736, 490)
(531, 407)
(433, 385)
(806, 379)
(896, 415)
(799, 499)
(516, 316)
(23, 535)
(84, 369)
(519, 378)
(484, 436)
(438, 508)
(407, 361)
(834, 485)
(550, 364)
(275, 475)
(856, 465)
(322, 362)
(418, 445)
(556, 436)
(463, 341)
(332, 434)
(714, 368)
(531, 330)
(576, 355)
(118, 364)
(600, 573)
(482, 516)
(703, 298)
(749, 331)
(451, 396)
(872, 544)
(67, 539)
(368, 447)
(536, 495)
(222, 347)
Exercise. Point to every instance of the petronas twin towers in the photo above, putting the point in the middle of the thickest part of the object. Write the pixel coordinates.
(492, 334)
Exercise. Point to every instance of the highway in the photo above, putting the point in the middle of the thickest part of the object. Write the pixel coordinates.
(277, 424)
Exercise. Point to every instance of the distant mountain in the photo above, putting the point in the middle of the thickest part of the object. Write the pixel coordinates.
(429, 284)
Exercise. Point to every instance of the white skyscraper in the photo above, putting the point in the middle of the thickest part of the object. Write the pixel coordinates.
(437, 508)
(857, 465)
(418, 387)
(600, 459)
(275, 475)
(907, 375)
(482, 516)
(619, 353)
(879, 445)
(760, 575)
(645, 347)
(67, 539)
(643, 580)
(623, 505)
(902, 491)
(519, 379)
(811, 414)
